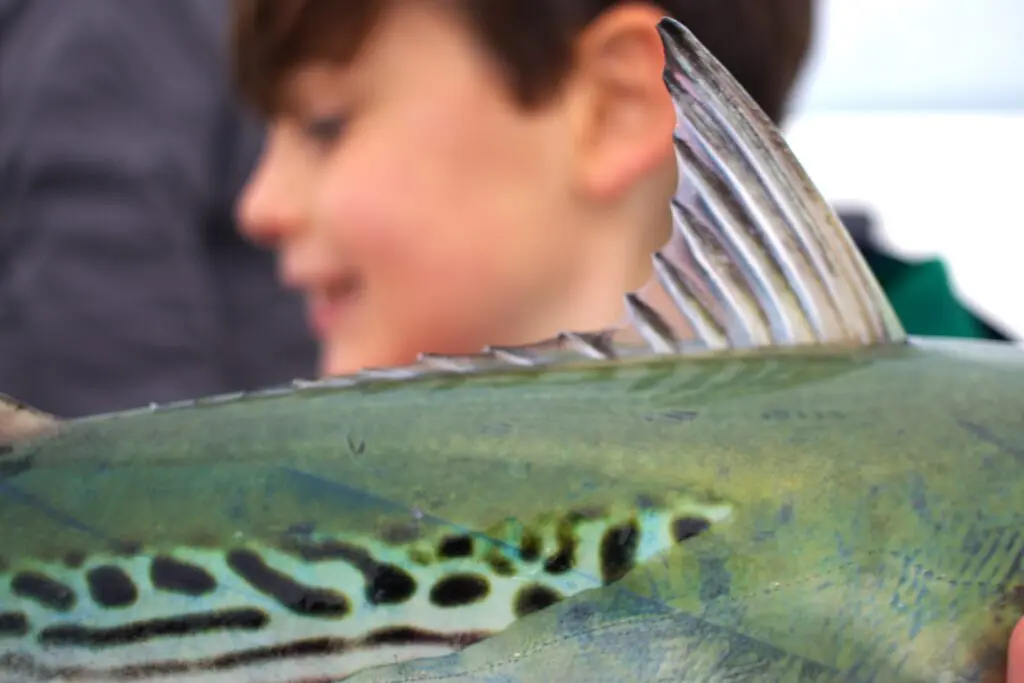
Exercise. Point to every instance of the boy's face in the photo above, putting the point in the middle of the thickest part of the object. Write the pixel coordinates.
(417, 206)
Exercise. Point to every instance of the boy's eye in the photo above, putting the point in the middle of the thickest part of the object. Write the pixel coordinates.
(326, 130)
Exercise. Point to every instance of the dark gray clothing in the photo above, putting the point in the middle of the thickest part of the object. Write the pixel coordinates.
(122, 151)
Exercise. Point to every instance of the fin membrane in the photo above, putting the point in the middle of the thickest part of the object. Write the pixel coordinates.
(767, 261)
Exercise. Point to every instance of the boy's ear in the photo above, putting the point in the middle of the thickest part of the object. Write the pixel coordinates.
(623, 114)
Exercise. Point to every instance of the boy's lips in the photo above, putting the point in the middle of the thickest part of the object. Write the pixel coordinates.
(330, 305)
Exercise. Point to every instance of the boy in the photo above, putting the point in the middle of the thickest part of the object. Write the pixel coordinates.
(443, 175)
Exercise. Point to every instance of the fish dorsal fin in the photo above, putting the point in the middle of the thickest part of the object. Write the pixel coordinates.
(757, 260)
(19, 422)
(767, 262)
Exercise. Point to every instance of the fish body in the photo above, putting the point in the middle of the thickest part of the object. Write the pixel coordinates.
(853, 514)
(795, 493)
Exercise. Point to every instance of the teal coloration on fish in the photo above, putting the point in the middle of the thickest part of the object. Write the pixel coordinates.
(794, 493)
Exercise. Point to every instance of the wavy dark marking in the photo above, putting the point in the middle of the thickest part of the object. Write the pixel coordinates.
(42, 589)
(452, 547)
(385, 583)
(13, 624)
(533, 598)
(618, 551)
(73, 635)
(685, 528)
(174, 576)
(313, 647)
(111, 587)
(296, 597)
(459, 590)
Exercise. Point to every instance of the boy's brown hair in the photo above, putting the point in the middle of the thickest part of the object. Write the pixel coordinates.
(762, 42)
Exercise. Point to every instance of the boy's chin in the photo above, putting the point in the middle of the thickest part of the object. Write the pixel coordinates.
(338, 359)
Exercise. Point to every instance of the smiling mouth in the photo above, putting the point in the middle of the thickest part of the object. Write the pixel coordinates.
(329, 305)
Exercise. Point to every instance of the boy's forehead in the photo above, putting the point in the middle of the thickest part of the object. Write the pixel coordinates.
(400, 40)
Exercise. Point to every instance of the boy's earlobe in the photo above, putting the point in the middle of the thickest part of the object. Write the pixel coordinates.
(626, 114)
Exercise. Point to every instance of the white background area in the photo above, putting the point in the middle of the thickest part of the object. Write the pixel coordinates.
(914, 110)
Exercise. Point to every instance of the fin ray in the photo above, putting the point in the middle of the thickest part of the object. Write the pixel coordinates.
(838, 300)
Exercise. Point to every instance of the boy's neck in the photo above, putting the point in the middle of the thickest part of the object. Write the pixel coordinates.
(594, 297)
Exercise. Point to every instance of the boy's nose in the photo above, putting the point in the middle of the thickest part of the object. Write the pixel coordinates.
(266, 216)
(269, 209)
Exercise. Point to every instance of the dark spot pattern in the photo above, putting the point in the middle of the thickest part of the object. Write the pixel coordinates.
(44, 590)
(13, 624)
(646, 502)
(685, 528)
(127, 549)
(70, 635)
(174, 576)
(564, 558)
(111, 587)
(459, 590)
(391, 586)
(75, 559)
(618, 551)
(530, 546)
(399, 533)
(452, 547)
(300, 599)
(534, 598)
(500, 565)
(585, 514)
(385, 583)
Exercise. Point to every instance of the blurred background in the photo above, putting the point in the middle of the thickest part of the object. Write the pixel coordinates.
(913, 111)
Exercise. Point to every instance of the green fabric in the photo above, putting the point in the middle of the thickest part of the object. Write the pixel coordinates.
(923, 298)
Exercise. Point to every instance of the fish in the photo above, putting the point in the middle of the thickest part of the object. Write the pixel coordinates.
(791, 490)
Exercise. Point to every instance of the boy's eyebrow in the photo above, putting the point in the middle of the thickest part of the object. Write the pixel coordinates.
(317, 82)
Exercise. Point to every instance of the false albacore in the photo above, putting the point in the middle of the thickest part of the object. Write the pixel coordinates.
(794, 492)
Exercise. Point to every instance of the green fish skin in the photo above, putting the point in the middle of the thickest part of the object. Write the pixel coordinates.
(788, 489)
(847, 516)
